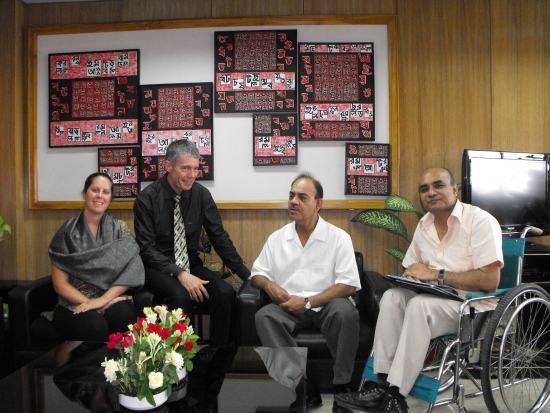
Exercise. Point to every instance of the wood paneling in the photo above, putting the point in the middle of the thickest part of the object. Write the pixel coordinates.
(249, 8)
(165, 9)
(353, 7)
(11, 141)
(444, 85)
(472, 73)
(520, 74)
(73, 13)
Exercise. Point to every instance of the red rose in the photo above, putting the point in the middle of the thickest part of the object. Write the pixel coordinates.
(164, 333)
(180, 327)
(153, 328)
(189, 345)
(127, 340)
(139, 325)
(114, 339)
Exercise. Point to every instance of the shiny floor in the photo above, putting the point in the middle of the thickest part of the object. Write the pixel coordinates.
(473, 405)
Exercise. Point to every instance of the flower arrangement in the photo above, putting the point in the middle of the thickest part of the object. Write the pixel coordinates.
(151, 353)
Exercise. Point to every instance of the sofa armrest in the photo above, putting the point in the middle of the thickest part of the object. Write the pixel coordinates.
(26, 304)
(142, 299)
(249, 300)
(373, 288)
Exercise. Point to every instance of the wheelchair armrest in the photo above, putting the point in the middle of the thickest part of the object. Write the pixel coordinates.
(478, 294)
(26, 304)
(249, 300)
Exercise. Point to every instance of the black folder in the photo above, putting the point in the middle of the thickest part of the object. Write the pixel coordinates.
(425, 287)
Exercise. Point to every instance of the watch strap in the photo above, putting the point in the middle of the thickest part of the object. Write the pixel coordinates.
(440, 277)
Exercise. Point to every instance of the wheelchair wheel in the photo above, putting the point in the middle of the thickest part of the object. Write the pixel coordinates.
(515, 355)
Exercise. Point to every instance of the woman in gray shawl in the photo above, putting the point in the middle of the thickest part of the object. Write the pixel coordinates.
(94, 263)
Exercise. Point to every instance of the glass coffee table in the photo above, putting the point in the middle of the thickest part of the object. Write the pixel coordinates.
(70, 379)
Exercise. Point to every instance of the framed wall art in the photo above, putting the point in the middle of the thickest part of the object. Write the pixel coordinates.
(175, 111)
(336, 91)
(182, 51)
(121, 164)
(93, 98)
(274, 138)
(255, 71)
(367, 169)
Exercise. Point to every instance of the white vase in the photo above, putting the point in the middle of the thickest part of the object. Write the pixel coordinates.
(182, 373)
(132, 402)
(179, 390)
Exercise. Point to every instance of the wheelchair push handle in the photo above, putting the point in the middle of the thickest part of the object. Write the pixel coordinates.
(528, 228)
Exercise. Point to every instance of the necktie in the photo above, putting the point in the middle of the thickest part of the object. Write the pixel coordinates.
(180, 244)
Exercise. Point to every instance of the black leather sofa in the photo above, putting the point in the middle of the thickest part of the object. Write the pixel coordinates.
(33, 334)
(320, 363)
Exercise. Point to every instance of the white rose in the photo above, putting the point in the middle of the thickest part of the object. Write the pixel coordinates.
(155, 380)
(175, 359)
(111, 367)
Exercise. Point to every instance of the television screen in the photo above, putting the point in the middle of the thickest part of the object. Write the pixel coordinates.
(511, 186)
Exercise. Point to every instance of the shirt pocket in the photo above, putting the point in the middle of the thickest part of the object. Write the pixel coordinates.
(322, 277)
(463, 258)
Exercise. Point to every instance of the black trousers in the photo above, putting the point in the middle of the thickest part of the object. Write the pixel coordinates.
(93, 326)
(220, 304)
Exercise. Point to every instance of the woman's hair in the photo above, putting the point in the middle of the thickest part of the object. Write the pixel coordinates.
(90, 179)
(179, 148)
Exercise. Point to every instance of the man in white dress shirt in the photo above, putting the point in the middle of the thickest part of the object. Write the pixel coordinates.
(455, 244)
(309, 270)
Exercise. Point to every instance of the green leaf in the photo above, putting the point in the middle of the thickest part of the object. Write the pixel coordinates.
(188, 365)
(4, 228)
(150, 400)
(396, 253)
(382, 219)
(398, 203)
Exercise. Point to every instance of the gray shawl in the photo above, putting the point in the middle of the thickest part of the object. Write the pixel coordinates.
(108, 260)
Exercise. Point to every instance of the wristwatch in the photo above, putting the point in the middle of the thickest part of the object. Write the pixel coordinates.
(307, 304)
(440, 280)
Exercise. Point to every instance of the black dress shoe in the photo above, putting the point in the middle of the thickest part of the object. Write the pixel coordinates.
(394, 402)
(342, 388)
(368, 398)
(312, 398)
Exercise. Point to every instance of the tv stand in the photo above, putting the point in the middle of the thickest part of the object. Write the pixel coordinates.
(536, 263)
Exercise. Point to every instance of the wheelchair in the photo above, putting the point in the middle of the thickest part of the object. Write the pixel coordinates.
(504, 352)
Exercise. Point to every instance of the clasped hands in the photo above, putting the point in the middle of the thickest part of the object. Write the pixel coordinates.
(100, 303)
(421, 272)
(291, 303)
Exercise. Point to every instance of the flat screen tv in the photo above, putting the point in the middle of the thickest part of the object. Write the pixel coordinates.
(511, 186)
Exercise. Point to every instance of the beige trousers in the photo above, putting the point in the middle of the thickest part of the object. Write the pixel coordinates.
(406, 323)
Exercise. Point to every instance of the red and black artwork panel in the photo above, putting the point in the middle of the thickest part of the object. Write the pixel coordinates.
(367, 169)
(336, 90)
(175, 111)
(255, 71)
(93, 98)
(275, 139)
(121, 164)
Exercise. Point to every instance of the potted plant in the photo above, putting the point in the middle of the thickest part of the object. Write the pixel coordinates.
(3, 228)
(389, 221)
(153, 355)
